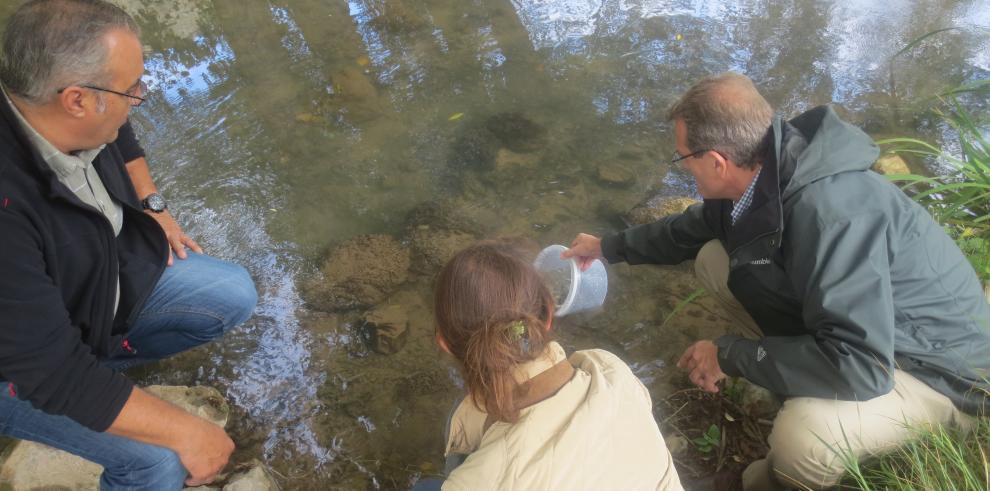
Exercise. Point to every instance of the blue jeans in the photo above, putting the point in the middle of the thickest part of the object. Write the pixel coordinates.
(196, 300)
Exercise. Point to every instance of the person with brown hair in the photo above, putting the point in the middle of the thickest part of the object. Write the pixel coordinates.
(534, 418)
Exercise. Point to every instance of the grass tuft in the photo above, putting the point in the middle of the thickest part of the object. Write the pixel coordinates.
(938, 458)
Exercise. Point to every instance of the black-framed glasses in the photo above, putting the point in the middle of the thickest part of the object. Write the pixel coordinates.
(677, 157)
(140, 88)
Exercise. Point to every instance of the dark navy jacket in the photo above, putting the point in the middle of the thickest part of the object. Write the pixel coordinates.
(59, 263)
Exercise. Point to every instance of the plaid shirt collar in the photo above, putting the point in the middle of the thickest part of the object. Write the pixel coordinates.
(740, 207)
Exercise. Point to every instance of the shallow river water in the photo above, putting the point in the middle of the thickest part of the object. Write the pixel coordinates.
(278, 129)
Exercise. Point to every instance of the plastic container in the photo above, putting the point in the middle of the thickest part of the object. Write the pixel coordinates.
(573, 290)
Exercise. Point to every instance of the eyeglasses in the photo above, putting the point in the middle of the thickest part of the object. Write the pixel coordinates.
(677, 157)
(140, 88)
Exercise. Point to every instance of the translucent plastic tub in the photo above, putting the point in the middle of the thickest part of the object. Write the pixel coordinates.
(574, 290)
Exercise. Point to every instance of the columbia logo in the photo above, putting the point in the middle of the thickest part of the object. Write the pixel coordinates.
(760, 262)
(760, 353)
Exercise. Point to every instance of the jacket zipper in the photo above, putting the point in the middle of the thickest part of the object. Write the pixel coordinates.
(127, 346)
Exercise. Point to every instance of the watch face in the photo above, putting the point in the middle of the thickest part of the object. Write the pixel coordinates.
(155, 202)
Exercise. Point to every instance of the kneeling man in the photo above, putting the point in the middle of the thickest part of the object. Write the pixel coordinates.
(85, 286)
(854, 304)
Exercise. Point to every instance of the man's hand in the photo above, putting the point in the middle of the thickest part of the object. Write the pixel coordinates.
(585, 248)
(144, 185)
(700, 360)
(204, 452)
(177, 239)
(202, 447)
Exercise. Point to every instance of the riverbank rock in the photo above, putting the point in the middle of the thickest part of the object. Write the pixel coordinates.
(676, 444)
(205, 402)
(891, 164)
(656, 207)
(753, 399)
(255, 478)
(386, 329)
(33, 466)
(359, 273)
(615, 175)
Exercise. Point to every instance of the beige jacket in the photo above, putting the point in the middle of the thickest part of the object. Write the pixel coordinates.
(597, 432)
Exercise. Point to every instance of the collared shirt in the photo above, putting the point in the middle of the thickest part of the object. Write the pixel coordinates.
(740, 207)
(77, 173)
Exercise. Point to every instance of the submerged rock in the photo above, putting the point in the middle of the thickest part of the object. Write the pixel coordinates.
(507, 159)
(516, 132)
(483, 146)
(453, 214)
(474, 148)
(433, 247)
(386, 329)
(399, 17)
(656, 207)
(351, 94)
(359, 273)
(616, 175)
(352, 84)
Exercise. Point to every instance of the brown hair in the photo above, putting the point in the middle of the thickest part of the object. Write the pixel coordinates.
(727, 114)
(481, 293)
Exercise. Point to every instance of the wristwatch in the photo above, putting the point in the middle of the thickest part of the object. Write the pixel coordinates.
(154, 203)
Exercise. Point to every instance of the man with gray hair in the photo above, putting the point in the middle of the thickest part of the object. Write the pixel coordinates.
(853, 304)
(85, 290)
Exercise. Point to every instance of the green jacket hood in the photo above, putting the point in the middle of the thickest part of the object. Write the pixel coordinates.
(829, 146)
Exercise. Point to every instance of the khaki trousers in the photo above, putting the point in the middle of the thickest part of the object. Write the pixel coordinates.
(811, 437)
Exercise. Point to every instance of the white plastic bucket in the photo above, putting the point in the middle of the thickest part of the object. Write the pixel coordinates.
(585, 289)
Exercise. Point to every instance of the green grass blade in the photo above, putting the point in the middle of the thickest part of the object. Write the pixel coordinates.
(921, 38)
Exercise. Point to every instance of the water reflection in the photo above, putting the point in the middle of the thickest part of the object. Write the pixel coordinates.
(281, 127)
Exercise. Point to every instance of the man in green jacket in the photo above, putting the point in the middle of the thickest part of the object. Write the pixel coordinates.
(854, 305)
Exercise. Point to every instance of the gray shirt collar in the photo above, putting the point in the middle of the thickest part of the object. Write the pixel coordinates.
(63, 164)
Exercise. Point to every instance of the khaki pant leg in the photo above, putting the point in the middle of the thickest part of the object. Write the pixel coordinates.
(809, 433)
(712, 269)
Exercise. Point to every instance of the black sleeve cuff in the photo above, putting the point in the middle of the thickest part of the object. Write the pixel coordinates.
(613, 248)
(726, 362)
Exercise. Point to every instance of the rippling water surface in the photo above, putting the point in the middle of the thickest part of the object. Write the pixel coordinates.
(278, 129)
